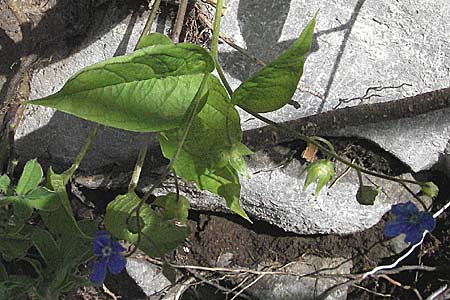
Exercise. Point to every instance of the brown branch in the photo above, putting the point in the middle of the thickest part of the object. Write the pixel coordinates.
(350, 116)
(179, 21)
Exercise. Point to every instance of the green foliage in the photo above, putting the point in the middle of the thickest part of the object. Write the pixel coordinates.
(321, 169)
(274, 85)
(31, 177)
(4, 183)
(173, 207)
(59, 255)
(367, 194)
(153, 39)
(147, 90)
(158, 234)
(430, 189)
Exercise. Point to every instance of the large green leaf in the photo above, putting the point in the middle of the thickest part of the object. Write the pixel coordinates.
(213, 144)
(147, 90)
(31, 177)
(158, 236)
(274, 85)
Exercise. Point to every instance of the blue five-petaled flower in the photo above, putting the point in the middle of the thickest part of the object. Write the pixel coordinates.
(109, 255)
(410, 221)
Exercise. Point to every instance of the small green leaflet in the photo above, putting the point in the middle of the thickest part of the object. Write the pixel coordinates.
(323, 170)
(274, 85)
(31, 177)
(61, 221)
(147, 90)
(153, 39)
(158, 236)
(4, 183)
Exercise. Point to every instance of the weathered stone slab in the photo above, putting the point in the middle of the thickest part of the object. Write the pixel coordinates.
(358, 44)
(288, 287)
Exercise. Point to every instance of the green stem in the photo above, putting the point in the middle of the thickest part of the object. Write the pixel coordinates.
(332, 154)
(216, 30)
(69, 172)
(149, 23)
(138, 167)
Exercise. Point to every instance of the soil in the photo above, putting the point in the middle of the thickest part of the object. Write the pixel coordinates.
(223, 239)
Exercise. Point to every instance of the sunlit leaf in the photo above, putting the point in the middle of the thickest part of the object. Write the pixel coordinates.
(30, 178)
(274, 85)
(153, 39)
(147, 90)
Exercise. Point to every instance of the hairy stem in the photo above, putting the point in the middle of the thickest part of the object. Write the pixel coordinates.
(69, 172)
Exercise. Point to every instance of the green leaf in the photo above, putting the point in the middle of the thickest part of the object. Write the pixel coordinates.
(430, 189)
(13, 246)
(31, 177)
(4, 183)
(212, 150)
(42, 199)
(153, 39)
(170, 273)
(147, 90)
(321, 169)
(60, 221)
(274, 85)
(173, 207)
(366, 194)
(158, 236)
(47, 247)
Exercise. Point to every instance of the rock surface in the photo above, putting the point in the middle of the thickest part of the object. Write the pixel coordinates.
(287, 287)
(358, 44)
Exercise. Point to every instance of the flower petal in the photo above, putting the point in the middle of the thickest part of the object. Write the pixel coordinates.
(427, 221)
(99, 243)
(395, 228)
(116, 264)
(98, 272)
(404, 209)
(117, 248)
(414, 234)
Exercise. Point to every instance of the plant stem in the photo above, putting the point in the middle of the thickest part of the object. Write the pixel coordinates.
(69, 172)
(216, 30)
(215, 46)
(179, 21)
(138, 167)
(149, 23)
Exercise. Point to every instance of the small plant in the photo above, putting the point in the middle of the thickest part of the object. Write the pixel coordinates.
(168, 89)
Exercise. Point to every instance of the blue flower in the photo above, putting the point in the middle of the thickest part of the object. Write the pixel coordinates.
(410, 221)
(108, 252)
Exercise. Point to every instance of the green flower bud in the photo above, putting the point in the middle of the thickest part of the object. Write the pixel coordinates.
(367, 194)
(430, 189)
(323, 170)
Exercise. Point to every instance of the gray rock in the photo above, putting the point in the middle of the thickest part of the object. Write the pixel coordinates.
(288, 287)
(358, 44)
(275, 194)
(148, 276)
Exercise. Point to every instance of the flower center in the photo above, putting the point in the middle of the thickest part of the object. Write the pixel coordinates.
(414, 219)
(106, 251)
